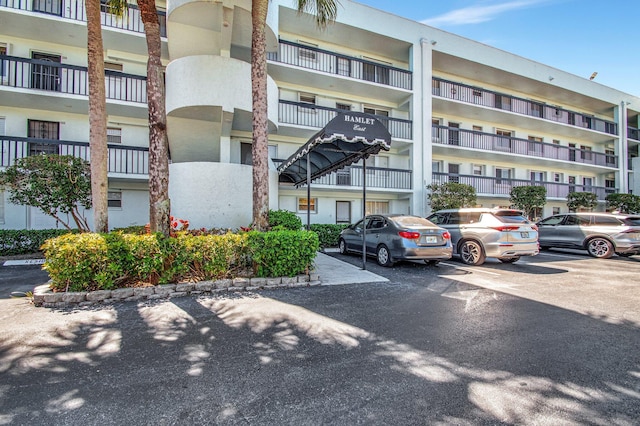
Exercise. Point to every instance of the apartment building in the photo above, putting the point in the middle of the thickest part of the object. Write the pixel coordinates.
(457, 110)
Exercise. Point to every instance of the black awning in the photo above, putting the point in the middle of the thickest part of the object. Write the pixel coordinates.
(346, 139)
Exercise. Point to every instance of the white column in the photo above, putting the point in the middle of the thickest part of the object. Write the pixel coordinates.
(622, 149)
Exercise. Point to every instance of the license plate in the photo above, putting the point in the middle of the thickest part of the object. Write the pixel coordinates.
(430, 239)
(524, 234)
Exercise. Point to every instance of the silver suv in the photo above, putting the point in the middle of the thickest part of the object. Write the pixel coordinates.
(601, 234)
(478, 233)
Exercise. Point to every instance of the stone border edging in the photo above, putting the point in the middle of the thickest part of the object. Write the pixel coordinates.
(44, 297)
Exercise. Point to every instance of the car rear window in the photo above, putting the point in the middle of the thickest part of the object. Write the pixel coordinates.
(409, 221)
(605, 220)
(511, 216)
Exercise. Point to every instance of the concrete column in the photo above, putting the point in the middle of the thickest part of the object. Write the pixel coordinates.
(622, 177)
(225, 149)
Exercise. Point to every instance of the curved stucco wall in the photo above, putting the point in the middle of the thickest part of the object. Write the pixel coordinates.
(208, 80)
(216, 195)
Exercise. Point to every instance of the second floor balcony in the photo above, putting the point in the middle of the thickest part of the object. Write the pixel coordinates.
(455, 137)
(310, 115)
(501, 187)
(526, 107)
(124, 161)
(633, 133)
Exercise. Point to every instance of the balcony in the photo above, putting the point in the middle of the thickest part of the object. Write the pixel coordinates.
(633, 133)
(486, 98)
(123, 160)
(377, 177)
(310, 57)
(43, 75)
(454, 137)
(501, 187)
(310, 115)
(74, 10)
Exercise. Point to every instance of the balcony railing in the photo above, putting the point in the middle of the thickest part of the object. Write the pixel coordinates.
(74, 10)
(377, 177)
(443, 135)
(486, 185)
(306, 56)
(633, 133)
(305, 114)
(69, 79)
(487, 98)
(131, 160)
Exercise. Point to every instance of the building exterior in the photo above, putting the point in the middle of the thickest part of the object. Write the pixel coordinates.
(457, 110)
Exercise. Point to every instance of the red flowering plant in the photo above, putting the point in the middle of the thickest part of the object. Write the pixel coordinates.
(177, 225)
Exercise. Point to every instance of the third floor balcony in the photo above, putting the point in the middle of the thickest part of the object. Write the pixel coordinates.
(498, 144)
(525, 107)
(310, 115)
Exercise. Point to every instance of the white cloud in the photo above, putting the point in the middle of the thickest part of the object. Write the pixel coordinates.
(477, 14)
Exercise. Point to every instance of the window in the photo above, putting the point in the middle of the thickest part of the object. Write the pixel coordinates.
(502, 174)
(477, 93)
(477, 128)
(572, 152)
(4, 65)
(376, 111)
(304, 205)
(536, 110)
(436, 167)
(113, 66)
(114, 199)
(375, 73)
(377, 207)
(611, 157)
(114, 135)
(478, 170)
(307, 54)
(47, 130)
(585, 153)
(555, 210)
(558, 177)
(454, 133)
(344, 67)
(535, 144)
(343, 107)
(556, 142)
(454, 171)
(537, 176)
(503, 141)
(307, 98)
(587, 182)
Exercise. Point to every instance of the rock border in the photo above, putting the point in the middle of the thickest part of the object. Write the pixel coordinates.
(44, 297)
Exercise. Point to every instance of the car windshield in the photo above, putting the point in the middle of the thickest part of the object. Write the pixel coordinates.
(511, 216)
(409, 221)
(632, 220)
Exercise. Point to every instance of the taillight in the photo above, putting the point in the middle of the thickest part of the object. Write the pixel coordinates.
(409, 235)
(506, 228)
(446, 235)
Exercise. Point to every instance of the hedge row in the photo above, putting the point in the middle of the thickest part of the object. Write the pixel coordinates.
(327, 233)
(89, 261)
(22, 241)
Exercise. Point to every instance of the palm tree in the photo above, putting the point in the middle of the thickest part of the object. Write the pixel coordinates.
(159, 203)
(325, 12)
(97, 118)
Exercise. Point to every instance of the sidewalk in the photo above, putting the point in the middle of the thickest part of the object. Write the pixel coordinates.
(334, 272)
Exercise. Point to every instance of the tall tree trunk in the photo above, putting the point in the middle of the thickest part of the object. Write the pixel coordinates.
(260, 147)
(159, 204)
(97, 117)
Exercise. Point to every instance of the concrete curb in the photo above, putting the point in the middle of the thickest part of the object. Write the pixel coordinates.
(44, 297)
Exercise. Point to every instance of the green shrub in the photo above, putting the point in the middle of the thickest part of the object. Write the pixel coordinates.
(132, 229)
(284, 219)
(23, 241)
(282, 253)
(328, 233)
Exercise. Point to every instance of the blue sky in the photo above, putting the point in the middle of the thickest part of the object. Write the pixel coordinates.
(577, 36)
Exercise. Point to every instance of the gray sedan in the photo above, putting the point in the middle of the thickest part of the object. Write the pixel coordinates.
(391, 238)
(601, 234)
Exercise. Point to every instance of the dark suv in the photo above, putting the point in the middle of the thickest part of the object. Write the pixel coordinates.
(601, 234)
(478, 233)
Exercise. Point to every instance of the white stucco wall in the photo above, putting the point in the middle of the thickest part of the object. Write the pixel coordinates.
(215, 195)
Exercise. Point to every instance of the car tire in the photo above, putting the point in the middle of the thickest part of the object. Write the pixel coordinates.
(509, 259)
(431, 262)
(600, 248)
(342, 246)
(471, 253)
(383, 256)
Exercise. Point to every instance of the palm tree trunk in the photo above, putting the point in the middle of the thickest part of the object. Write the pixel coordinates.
(159, 204)
(97, 117)
(260, 148)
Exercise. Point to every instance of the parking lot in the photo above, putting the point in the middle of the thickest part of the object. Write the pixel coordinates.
(552, 339)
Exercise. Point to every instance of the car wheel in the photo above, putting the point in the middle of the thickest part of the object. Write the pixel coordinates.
(509, 259)
(600, 248)
(431, 262)
(471, 253)
(342, 246)
(383, 256)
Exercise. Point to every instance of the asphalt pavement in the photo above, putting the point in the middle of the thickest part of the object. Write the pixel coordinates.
(417, 345)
